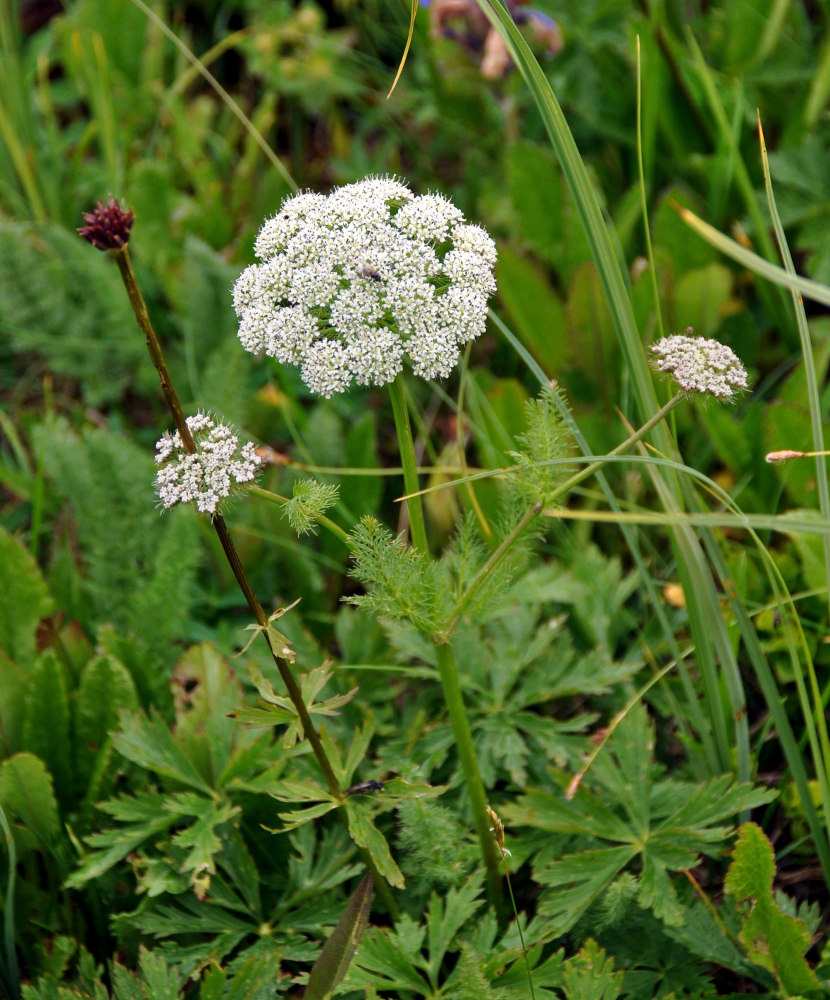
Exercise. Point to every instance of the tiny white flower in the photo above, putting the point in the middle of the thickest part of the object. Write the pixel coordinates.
(700, 365)
(354, 284)
(206, 476)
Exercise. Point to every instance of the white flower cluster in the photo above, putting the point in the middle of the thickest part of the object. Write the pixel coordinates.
(208, 475)
(351, 284)
(700, 365)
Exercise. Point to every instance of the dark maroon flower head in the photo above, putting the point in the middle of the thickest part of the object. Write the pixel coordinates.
(108, 226)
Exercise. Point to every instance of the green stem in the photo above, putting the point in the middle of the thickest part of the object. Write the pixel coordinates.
(446, 661)
(469, 765)
(410, 471)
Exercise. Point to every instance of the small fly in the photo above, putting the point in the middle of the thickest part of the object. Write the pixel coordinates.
(370, 272)
(364, 788)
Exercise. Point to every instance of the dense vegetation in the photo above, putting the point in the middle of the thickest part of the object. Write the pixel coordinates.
(605, 616)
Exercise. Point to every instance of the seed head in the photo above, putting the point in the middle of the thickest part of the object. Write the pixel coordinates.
(353, 285)
(206, 476)
(108, 226)
(701, 366)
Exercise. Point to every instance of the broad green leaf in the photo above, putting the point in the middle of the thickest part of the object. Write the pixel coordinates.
(534, 308)
(365, 834)
(148, 742)
(13, 683)
(26, 791)
(46, 723)
(589, 975)
(773, 939)
(361, 494)
(702, 299)
(340, 947)
(105, 690)
(24, 600)
(205, 691)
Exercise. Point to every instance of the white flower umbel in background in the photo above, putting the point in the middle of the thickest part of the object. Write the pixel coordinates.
(700, 366)
(207, 476)
(353, 284)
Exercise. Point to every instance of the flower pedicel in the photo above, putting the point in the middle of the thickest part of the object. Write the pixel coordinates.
(352, 284)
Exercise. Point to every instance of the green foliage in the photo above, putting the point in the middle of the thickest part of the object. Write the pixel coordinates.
(339, 949)
(662, 825)
(310, 499)
(143, 584)
(25, 601)
(773, 939)
(545, 441)
(548, 646)
(155, 979)
(274, 709)
(403, 583)
(60, 301)
(27, 794)
(46, 721)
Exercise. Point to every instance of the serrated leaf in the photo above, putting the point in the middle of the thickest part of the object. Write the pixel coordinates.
(201, 837)
(365, 834)
(154, 979)
(446, 917)
(337, 953)
(589, 975)
(13, 683)
(46, 722)
(657, 892)
(358, 747)
(26, 791)
(105, 689)
(299, 817)
(147, 741)
(254, 979)
(237, 862)
(577, 880)
(773, 939)
(381, 955)
(145, 817)
(25, 600)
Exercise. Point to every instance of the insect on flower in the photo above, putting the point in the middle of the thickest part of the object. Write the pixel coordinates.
(364, 788)
(370, 272)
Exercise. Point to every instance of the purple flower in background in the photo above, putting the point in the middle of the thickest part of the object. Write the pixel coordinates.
(464, 22)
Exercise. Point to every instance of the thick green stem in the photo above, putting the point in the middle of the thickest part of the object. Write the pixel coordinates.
(410, 470)
(446, 661)
(469, 765)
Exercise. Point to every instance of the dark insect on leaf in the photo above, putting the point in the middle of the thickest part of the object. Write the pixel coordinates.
(364, 788)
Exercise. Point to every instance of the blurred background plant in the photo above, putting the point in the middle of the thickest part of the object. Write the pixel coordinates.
(106, 604)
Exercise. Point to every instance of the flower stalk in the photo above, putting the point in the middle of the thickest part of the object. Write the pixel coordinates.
(117, 247)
